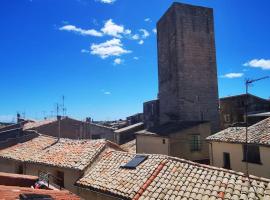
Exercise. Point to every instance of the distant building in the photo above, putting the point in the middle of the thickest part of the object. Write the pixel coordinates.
(151, 113)
(63, 127)
(232, 109)
(64, 160)
(179, 139)
(134, 119)
(228, 149)
(17, 186)
(127, 134)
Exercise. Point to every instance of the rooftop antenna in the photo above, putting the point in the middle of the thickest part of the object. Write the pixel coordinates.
(63, 105)
(248, 82)
(57, 109)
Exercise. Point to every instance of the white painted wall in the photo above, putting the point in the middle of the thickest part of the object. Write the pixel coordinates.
(152, 144)
(236, 157)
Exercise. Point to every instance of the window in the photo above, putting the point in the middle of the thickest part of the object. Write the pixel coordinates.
(163, 141)
(19, 169)
(251, 154)
(60, 178)
(226, 161)
(195, 143)
(227, 118)
(95, 137)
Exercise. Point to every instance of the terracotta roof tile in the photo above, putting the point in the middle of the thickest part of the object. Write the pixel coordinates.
(129, 146)
(257, 134)
(67, 153)
(33, 125)
(163, 177)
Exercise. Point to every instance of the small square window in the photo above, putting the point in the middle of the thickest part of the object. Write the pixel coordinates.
(227, 118)
(251, 154)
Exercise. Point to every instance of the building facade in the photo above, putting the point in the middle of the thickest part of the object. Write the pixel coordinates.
(228, 149)
(232, 109)
(183, 140)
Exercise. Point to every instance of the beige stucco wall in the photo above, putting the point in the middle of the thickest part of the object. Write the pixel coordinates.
(152, 144)
(8, 166)
(236, 157)
(180, 143)
(177, 145)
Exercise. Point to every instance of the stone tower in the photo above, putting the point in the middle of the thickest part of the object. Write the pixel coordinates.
(187, 70)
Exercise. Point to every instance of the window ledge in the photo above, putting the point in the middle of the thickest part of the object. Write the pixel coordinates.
(256, 163)
(227, 168)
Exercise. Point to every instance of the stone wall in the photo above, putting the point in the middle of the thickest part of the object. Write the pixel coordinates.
(151, 113)
(187, 65)
(232, 109)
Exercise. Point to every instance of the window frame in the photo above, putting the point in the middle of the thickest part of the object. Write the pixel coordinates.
(251, 154)
(195, 143)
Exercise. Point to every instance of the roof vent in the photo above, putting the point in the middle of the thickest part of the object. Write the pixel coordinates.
(137, 160)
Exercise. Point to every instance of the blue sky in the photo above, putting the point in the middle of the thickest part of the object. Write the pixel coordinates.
(102, 55)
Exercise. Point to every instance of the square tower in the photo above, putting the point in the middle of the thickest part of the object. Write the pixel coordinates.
(187, 70)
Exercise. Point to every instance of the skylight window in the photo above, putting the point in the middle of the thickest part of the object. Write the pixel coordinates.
(137, 160)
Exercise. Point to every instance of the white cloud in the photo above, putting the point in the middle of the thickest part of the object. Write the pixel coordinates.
(112, 29)
(113, 47)
(118, 61)
(85, 51)
(258, 63)
(141, 42)
(135, 58)
(147, 20)
(106, 1)
(107, 93)
(145, 33)
(232, 75)
(154, 30)
(127, 31)
(135, 37)
(72, 28)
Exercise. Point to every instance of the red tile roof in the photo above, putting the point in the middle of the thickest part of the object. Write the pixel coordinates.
(13, 192)
(164, 177)
(66, 153)
(257, 134)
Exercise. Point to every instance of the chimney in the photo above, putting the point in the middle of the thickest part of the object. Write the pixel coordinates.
(88, 119)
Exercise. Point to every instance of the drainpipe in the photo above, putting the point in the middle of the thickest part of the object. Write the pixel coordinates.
(212, 156)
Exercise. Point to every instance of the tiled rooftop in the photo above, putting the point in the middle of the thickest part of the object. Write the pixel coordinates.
(33, 125)
(129, 146)
(13, 192)
(257, 134)
(122, 130)
(163, 177)
(67, 153)
(12, 185)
